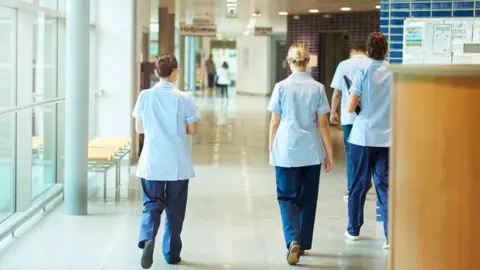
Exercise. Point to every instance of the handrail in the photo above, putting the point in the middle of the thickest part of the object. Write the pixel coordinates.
(31, 105)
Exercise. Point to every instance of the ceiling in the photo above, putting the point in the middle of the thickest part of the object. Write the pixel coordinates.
(228, 28)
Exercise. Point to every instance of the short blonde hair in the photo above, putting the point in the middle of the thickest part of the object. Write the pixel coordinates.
(298, 54)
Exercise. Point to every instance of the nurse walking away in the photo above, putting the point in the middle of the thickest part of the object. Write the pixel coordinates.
(166, 116)
(346, 70)
(370, 136)
(299, 136)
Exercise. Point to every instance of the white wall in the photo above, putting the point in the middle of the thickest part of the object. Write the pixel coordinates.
(254, 65)
(116, 73)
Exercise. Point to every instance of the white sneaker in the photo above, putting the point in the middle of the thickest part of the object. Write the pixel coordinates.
(345, 197)
(350, 237)
(386, 245)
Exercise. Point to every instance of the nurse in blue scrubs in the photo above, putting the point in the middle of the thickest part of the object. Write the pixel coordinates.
(299, 144)
(166, 116)
(370, 136)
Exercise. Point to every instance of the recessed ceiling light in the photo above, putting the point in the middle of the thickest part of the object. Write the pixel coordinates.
(377, 6)
(231, 1)
(346, 9)
(231, 4)
(313, 10)
(296, 17)
(283, 13)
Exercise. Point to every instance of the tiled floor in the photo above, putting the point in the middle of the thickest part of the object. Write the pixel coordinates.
(232, 220)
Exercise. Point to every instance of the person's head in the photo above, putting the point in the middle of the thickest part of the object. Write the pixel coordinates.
(166, 67)
(225, 65)
(298, 57)
(358, 47)
(377, 46)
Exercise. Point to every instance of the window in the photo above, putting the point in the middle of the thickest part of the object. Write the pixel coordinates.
(7, 122)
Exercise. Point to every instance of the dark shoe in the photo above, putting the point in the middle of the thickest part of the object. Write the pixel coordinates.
(147, 256)
(293, 255)
(173, 262)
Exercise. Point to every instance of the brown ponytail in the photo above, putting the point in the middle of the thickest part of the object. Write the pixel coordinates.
(377, 46)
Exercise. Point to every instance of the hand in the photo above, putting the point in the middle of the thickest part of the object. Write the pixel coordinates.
(334, 119)
(328, 164)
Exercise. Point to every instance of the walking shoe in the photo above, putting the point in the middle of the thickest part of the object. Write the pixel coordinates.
(173, 262)
(386, 245)
(147, 256)
(351, 237)
(293, 255)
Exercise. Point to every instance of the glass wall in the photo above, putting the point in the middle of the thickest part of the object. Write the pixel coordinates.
(32, 87)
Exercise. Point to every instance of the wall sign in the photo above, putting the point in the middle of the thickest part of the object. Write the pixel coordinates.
(198, 30)
(263, 31)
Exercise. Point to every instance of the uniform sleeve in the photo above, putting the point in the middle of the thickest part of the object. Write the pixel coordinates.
(337, 80)
(274, 105)
(357, 82)
(138, 109)
(192, 115)
(323, 106)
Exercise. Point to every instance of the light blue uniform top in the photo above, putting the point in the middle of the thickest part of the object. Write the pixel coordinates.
(165, 112)
(298, 99)
(372, 126)
(348, 68)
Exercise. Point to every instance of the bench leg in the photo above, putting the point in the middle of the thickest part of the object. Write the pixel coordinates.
(117, 180)
(105, 186)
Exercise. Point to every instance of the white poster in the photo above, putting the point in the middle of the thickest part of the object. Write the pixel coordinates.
(476, 32)
(462, 32)
(428, 33)
(442, 39)
(413, 37)
(437, 59)
(413, 58)
(466, 58)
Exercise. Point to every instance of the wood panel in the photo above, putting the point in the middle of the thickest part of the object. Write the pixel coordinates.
(435, 171)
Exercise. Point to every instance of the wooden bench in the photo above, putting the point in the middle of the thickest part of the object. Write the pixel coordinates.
(110, 151)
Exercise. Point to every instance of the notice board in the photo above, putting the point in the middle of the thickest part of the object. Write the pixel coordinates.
(441, 41)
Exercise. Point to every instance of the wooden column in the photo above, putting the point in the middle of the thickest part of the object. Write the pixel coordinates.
(435, 168)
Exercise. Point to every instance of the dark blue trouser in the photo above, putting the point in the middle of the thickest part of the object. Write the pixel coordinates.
(297, 194)
(365, 162)
(170, 196)
(347, 129)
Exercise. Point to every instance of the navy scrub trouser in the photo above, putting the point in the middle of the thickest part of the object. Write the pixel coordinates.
(170, 196)
(297, 194)
(347, 129)
(365, 162)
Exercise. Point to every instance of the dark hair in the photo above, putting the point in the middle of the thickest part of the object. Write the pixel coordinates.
(359, 45)
(377, 46)
(165, 64)
(225, 65)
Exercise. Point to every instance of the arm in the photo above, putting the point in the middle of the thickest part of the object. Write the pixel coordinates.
(139, 127)
(324, 132)
(337, 95)
(274, 123)
(192, 129)
(337, 84)
(352, 103)
(192, 116)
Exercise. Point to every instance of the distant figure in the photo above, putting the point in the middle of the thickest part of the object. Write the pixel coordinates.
(299, 144)
(346, 70)
(166, 116)
(211, 71)
(224, 79)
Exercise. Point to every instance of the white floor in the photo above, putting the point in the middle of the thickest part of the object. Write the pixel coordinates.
(233, 220)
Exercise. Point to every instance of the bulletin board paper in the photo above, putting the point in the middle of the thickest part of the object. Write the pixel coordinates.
(442, 40)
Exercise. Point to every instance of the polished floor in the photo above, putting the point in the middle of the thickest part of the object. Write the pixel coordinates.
(232, 219)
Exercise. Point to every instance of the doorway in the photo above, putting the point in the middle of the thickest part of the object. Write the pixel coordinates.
(333, 48)
(281, 54)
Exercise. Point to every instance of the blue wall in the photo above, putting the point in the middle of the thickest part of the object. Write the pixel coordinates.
(394, 12)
